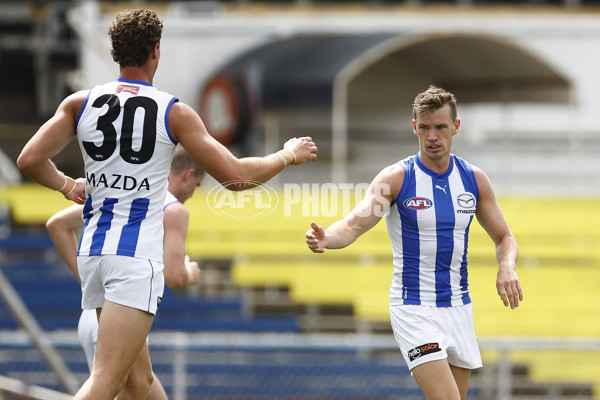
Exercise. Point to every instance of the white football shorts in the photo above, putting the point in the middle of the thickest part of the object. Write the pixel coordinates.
(426, 333)
(128, 281)
(87, 331)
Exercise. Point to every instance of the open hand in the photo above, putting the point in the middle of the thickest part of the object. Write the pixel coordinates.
(509, 287)
(315, 238)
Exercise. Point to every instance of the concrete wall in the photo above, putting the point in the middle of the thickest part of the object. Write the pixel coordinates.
(195, 45)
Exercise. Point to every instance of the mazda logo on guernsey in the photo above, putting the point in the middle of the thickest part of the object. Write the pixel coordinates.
(255, 202)
(467, 203)
(466, 200)
(418, 203)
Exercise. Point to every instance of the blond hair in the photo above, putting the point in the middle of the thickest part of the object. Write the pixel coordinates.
(433, 99)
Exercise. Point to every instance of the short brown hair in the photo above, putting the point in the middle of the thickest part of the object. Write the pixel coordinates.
(182, 161)
(433, 99)
(133, 35)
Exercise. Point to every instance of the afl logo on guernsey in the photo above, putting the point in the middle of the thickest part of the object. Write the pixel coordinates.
(418, 203)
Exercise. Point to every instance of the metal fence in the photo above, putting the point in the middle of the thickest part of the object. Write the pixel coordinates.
(320, 366)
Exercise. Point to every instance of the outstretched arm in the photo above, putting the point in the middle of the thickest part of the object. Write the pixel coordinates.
(61, 227)
(179, 271)
(363, 217)
(492, 219)
(234, 173)
(35, 158)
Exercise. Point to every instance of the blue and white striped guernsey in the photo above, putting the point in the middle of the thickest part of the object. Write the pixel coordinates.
(428, 225)
(127, 149)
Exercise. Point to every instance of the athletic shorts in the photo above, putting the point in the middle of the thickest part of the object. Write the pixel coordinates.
(426, 333)
(128, 281)
(87, 331)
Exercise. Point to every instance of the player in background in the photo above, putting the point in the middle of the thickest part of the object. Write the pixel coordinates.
(184, 177)
(127, 131)
(429, 200)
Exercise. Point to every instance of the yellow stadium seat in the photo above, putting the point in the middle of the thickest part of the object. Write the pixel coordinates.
(372, 306)
(315, 283)
(262, 274)
(559, 266)
(577, 366)
(31, 203)
(559, 263)
(340, 284)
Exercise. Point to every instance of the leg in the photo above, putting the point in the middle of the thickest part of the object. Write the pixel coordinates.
(461, 377)
(140, 377)
(138, 380)
(121, 338)
(437, 381)
(157, 391)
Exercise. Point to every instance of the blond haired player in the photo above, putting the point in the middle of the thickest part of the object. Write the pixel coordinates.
(432, 198)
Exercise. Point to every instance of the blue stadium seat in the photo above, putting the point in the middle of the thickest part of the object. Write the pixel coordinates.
(53, 296)
(29, 241)
(178, 312)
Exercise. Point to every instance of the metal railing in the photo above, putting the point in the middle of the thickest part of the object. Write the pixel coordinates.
(178, 349)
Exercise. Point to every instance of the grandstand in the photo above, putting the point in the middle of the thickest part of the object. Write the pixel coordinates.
(260, 278)
(270, 320)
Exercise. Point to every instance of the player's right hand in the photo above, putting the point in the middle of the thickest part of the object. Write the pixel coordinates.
(78, 193)
(304, 148)
(315, 238)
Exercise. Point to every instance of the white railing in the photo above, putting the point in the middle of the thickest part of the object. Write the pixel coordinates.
(180, 344)
(31, 391)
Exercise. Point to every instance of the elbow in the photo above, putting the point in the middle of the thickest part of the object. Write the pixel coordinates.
(24, 163)
(507, 244)
(238, 178)
(503, 238)
(510, 239)
(239, 184)
(28, 164)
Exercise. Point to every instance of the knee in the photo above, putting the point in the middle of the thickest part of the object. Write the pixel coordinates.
(106, 384)
(139, 381)
(146, 382)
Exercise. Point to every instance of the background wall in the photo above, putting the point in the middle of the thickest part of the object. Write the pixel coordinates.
(523, 146)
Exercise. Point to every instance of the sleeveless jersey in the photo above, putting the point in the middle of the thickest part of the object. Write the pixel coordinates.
(127, 149)
(87, 328)
(428, 225)
(170, 199)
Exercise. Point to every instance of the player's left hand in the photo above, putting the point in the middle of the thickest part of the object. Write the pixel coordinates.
(302, 148)
(509, 287)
